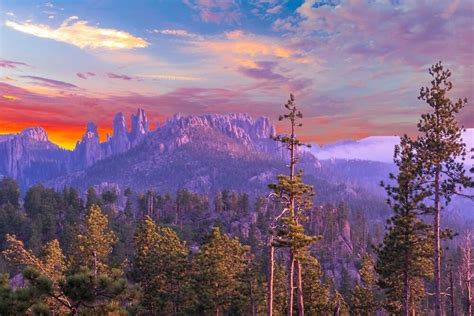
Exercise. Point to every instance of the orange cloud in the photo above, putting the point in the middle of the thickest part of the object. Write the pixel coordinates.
(82, 35)
(10, 97)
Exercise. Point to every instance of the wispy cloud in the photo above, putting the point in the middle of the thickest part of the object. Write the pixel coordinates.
(117, 76)
(85, 75)
(79, 33)
(12, 64)
(51, 82)
(175, 32)
(216, 11)
(169, 77)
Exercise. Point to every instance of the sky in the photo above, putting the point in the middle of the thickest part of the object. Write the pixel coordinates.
(355, 67)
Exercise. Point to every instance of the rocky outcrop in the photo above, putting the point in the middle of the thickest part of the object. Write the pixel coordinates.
(88, 150)
(29, 156)
(253, 134)
(119, 142)
(140, 127)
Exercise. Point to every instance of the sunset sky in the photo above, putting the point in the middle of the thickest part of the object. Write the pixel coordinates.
(355, 66)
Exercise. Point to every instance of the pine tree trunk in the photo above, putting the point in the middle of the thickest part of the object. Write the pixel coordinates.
(468, 276)
(291, 268)
(299, 290)
(437, 245)
(271, 269)
(406, 294)
(252, 298)
(451, 291)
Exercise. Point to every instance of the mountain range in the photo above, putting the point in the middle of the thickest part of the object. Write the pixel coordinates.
(202, 153)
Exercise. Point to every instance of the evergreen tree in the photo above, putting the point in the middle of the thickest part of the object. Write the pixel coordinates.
(92, 198)
(42, 205)
(95, 242)
(296, 198)
(218, 271)
(50, 284)
(316, 293)
(81, 290)
(161, 266)
(439, 148)
(280, 291)
(404, 258)
(363, 299)
(15, 302)
(72, 210)
(9, 192)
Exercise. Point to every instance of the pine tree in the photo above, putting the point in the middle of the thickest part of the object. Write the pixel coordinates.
(316, 293)
(218, 270)
(95, 242)
(363, 299)
(439, 148)
(15, 302)
(161, 266)
(49, 282)
(404, 258)
(9, 192)
(296, 198)
(52, 263)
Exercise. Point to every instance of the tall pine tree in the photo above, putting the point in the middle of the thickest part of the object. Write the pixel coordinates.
(404, 258)
(440, 147)
(296, 198)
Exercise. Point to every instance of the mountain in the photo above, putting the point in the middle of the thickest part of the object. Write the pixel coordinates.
(203, 153)
(30, 157)
(182, 141)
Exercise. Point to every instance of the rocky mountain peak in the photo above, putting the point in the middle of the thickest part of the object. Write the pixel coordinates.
(254, 134)
(35, 134)
(120, 125)
(140, 126)
(91, 131)
(119, 142)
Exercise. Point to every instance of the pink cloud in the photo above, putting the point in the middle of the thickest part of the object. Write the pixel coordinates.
(416, 33)
(51, 82)
(12, 64)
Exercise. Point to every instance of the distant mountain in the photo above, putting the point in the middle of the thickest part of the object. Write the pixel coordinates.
(30, 157)
(203, 153)
(374, 148)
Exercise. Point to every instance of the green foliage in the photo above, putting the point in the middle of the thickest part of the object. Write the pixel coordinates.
(109, 197)
(295, 196)
(9, 192)
(363, 300)
(404, 258)
(315, 292)
(161, 266)
(15, 302)
(42, 205)
(218, 269)
(440, 145)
